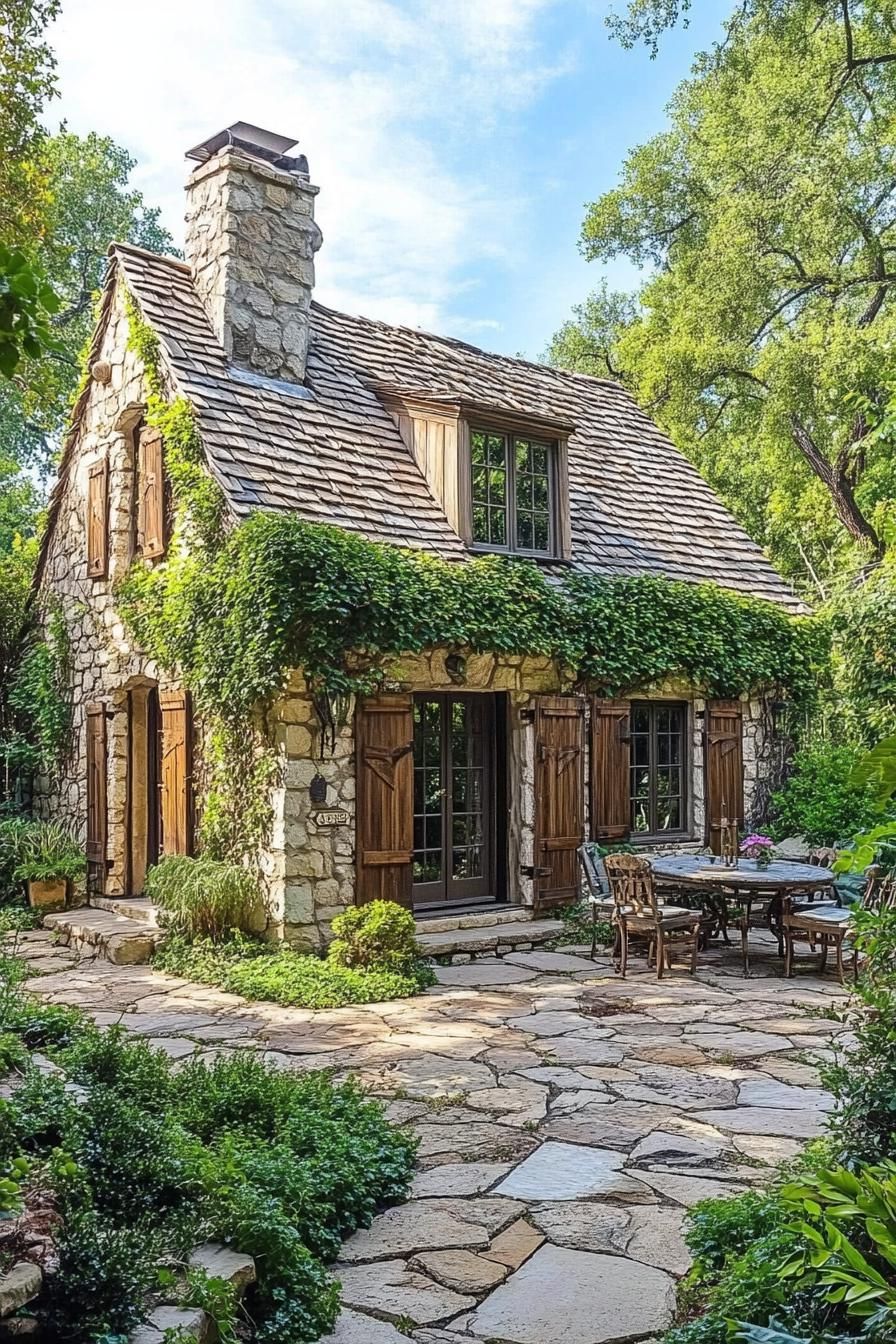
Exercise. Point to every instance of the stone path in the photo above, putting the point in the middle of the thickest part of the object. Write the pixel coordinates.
(567, 1120)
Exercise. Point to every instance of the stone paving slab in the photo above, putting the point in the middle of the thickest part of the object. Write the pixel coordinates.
(566, 1122)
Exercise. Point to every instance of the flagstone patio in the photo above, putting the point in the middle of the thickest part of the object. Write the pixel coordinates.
(567, 1120)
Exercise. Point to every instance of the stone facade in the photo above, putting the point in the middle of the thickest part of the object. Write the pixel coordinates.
(104, 662)
(311, 866)
(251, 240)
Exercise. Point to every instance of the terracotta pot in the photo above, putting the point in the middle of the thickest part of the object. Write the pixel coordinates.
(48, 895)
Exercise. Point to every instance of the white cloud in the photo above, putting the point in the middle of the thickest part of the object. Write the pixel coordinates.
(388, 98)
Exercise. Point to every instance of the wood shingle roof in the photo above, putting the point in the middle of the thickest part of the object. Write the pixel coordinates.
(333, 453)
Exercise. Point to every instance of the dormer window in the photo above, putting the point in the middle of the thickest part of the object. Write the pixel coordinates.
(512, 492)
(501, 475)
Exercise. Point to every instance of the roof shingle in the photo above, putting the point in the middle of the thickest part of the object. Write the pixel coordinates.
(637, 505)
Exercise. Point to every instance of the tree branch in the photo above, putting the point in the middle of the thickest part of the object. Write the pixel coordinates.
(835, 479)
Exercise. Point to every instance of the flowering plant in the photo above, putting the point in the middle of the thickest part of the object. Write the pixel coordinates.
(758, 847)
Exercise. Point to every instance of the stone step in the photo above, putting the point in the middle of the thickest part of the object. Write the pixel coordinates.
(132, 907)
(482, 919)
(124, 941)
(219, 1262)
(489, 940)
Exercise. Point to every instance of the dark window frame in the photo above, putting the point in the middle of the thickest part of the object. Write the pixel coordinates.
(653, 709)
(510, 439)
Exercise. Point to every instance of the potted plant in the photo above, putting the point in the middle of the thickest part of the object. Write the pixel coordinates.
(760, 848)
(50, 858)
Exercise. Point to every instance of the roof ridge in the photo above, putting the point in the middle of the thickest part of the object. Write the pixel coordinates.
(164, 257)
(468, 345)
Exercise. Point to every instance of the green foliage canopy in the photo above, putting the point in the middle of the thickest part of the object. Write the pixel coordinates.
(765, 219)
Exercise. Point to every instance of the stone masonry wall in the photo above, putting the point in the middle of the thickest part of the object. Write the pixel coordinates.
(104, 661)
(311, 868)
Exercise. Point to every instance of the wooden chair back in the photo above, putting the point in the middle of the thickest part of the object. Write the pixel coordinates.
(632, 883)
(880, 889)
(823, 857)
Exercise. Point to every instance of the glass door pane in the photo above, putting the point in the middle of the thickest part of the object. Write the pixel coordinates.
(429, 801)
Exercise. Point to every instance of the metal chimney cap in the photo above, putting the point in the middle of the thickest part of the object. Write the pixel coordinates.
(264, 143)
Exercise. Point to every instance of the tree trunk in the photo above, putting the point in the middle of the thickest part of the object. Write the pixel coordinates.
(836, 480)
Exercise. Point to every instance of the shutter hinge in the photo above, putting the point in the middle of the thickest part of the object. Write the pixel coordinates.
(527, 715)
(532, 870)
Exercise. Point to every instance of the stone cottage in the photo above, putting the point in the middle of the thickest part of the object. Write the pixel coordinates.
(470, 780)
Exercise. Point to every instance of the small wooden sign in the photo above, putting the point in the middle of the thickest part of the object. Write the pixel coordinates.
(333, 816)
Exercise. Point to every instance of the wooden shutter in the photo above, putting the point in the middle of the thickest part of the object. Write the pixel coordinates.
(724, 768)
(150, 494)
(176, 773)
(610, 769)
(98, 520)
(384, 747)
(559, 798)
(96, 795)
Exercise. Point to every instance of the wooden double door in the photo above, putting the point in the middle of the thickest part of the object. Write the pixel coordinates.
(435, 780)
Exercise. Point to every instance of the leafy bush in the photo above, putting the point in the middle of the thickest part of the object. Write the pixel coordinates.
(822, 800)
(848, 1224)
(48, 850)
(12, 832)
(864, 1081)
(147, 1160)
(259, 971)
(379, 935)
(202, 897)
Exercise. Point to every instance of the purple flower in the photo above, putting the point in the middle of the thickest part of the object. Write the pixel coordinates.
(754, 845)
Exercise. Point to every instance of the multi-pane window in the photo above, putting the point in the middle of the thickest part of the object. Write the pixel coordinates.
(658, 762)
(512, 492)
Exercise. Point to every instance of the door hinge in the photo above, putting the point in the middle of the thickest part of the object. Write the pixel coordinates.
(534, 871)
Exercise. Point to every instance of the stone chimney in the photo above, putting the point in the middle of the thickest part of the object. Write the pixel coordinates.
(251, 240)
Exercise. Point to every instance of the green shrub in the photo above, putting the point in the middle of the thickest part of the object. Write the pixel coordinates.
(203, 898)
(12, 833)
(144, 1161)
(821, 800)
(18, 919)
(47, 850)
(259, 971)
(378, 936)
(864, 1081)
(105, 1273)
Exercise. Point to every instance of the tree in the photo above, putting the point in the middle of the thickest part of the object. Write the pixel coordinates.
(27, 82)
(765, 218)
(90, 205)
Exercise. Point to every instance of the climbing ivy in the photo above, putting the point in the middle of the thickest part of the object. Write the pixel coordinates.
(282, 593)
(37, 702)
(240, 607)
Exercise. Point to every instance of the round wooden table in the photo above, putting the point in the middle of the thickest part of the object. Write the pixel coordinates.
(744, 884)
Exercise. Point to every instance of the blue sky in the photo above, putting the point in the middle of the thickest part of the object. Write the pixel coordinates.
(455, 144)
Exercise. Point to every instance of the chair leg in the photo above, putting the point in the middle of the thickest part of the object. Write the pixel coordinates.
(593, 931)
(623, 960)
(745, 946)
(840, 959)
(788, 953)
(694, 948)
(660, 953)
(824, 953)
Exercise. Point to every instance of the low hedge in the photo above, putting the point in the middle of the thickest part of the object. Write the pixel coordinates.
(263, 971)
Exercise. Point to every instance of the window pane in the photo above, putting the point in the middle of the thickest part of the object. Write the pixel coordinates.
(542, 532)
(477, 448)
(657, 767)
(497, 483)
(498, 527)
(480, 523)
(525, 531)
